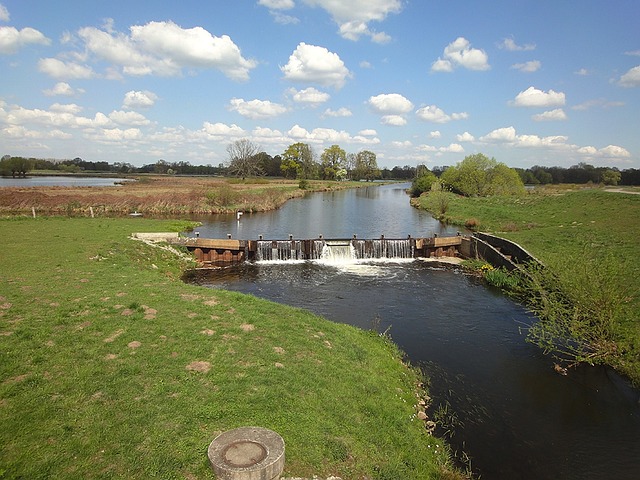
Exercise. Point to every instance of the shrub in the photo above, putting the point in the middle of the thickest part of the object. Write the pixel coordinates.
(472, 224)
(303, 184)
(223, 196)
(500, 278)
(422, 184)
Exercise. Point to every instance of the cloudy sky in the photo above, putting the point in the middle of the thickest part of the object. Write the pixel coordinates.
(528, 82)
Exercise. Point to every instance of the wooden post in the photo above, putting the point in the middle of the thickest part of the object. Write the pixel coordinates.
(33, 211)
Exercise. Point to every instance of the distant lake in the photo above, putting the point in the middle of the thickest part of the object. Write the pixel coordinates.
(61, 181)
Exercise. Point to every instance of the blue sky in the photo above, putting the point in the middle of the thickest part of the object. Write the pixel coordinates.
(537, 82)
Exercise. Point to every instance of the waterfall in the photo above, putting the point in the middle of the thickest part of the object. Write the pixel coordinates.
(383, 248)
(333, 251)
(336, 252)
(279, 250)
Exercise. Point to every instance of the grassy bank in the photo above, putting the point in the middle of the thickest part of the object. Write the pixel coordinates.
(589, 239)
(112, 367)
(161, 195)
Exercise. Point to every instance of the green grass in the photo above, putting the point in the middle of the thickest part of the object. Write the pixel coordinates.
(590, 240)
(100, 345)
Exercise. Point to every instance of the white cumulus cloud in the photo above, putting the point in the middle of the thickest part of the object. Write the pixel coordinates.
(128, 118)
(12, 39)
(432, 113)
(4, 14)
(62, 89)
(631, 78)
(277, 4)
(222, 130)
(460, 54)
(390, 103)
(64, 70)
(557, 114)
(368, 132)
(527, 67)
(164, 48)
(614, 151)
(310, 96)
(341, 112)
(353, 17)
(256, 109)
(314, 64)
(532, 97)
(393, 120)
(139, 99)
(510, 45)
(465, 137)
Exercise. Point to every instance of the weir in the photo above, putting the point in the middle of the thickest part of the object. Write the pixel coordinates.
(215, 252)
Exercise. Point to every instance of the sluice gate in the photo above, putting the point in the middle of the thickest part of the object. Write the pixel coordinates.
(215, 252)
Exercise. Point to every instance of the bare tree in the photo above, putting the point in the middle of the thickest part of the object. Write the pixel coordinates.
(243, 159)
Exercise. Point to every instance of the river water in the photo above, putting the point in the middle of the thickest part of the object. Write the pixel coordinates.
(61, 181)
(508, 410)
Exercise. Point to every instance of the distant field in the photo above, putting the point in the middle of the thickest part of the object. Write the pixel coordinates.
(590, 237)
(161, 195)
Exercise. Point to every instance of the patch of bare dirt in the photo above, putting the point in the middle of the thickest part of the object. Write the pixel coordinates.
(188, 296)
(192, 315)
(212, 302)
(208, 331)
(135, 344)
(110, 356)
(279, 350)
(127, 312)
(247, 327)
(202, 367)
(113, 336)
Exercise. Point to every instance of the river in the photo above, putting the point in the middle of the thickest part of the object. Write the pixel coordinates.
(507, 409)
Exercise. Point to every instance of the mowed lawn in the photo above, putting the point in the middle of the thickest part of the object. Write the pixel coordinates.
(112, 367)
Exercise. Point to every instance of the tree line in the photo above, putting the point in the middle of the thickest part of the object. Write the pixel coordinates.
(300, 161)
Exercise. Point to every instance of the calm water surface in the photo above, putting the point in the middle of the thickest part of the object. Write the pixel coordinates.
(55, 181)
(516, 418)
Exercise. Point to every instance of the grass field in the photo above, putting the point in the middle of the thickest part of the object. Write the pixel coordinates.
(112, 367)
(589, 238)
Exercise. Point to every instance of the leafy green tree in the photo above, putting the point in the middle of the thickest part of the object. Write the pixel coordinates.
(298, 159)
(611, 177)
(270, 165)
(15, 166)
(423, 183)
(366, 166)
(332, 160)
(243, 160)
(478, 175)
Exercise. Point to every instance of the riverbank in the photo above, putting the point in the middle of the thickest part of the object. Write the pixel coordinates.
(162, 195)
(111, 366)
(589, 238)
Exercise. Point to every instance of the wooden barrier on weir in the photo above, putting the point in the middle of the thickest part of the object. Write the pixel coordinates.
(217, 252)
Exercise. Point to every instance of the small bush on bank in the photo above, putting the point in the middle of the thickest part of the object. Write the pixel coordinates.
(472, 224)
